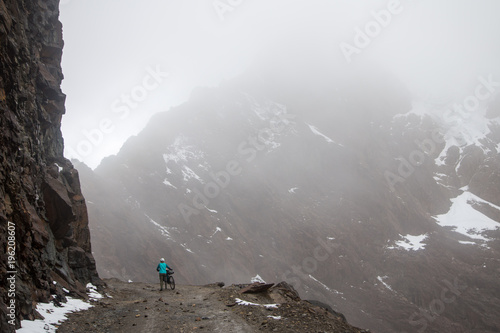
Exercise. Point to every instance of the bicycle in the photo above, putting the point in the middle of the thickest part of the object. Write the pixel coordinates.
(169, 279)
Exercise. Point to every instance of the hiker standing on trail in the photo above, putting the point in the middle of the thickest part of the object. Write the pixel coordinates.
(162, 269)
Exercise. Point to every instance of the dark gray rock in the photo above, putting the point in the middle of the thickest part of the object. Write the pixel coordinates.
(39, 189)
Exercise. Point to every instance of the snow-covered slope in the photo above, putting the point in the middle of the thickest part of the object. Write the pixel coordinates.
(465, 140)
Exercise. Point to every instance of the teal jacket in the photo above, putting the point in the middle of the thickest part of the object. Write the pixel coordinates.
(162, 268)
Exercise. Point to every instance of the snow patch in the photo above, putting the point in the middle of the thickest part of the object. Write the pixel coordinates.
(325, 286)
(465, 219)
(467, 243)
(321, 283)
(439, 176)
(216, 231)
(270, 144)
(53, 315)
(188, 173)
(257, 279)
(164, 231)
(186, 248)
(459, 127)
(246, 303)
(167, 183)
(409, 242)
(274, 317)
(317, 132)
(92, 292)
(381, 279)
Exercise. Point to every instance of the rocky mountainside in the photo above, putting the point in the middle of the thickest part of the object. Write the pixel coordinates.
(337, 182)
(44, 223)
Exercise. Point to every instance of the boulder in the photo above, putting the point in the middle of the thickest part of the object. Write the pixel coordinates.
(256, 288)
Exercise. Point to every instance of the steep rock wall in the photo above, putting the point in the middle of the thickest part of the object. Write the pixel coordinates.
(41, 204)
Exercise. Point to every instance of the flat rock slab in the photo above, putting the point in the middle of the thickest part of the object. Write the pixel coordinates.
(256, 288)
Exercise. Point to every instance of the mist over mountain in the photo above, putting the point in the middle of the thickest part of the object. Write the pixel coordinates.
(355, 159)
(338, 181)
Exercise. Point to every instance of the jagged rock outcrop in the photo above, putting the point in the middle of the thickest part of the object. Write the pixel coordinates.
(256, 288)
(41, 204)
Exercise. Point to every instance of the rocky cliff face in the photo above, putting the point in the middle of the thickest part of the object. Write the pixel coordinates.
(44, 222)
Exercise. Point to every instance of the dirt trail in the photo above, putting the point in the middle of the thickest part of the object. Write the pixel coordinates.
(141, 307)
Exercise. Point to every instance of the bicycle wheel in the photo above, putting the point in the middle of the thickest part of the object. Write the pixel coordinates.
(172, 283)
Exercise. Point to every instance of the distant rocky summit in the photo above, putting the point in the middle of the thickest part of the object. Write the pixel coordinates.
(43, 215)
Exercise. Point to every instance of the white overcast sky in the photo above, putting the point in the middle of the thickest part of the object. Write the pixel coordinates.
(112, 46)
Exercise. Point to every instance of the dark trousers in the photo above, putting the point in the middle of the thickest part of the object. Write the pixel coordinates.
(163, 277)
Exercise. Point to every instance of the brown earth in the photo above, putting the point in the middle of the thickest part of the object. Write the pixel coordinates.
(141, 307)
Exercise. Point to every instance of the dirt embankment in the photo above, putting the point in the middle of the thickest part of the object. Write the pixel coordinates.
(141, 307)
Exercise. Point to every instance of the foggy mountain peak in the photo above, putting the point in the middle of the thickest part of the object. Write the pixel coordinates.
(249, 179)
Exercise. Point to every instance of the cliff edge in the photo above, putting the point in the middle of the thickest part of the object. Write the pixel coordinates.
(140, 307)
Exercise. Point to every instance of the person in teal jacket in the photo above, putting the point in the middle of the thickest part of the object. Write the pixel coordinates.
(162, 269)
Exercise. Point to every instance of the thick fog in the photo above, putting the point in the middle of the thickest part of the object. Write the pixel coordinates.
(126, 60)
